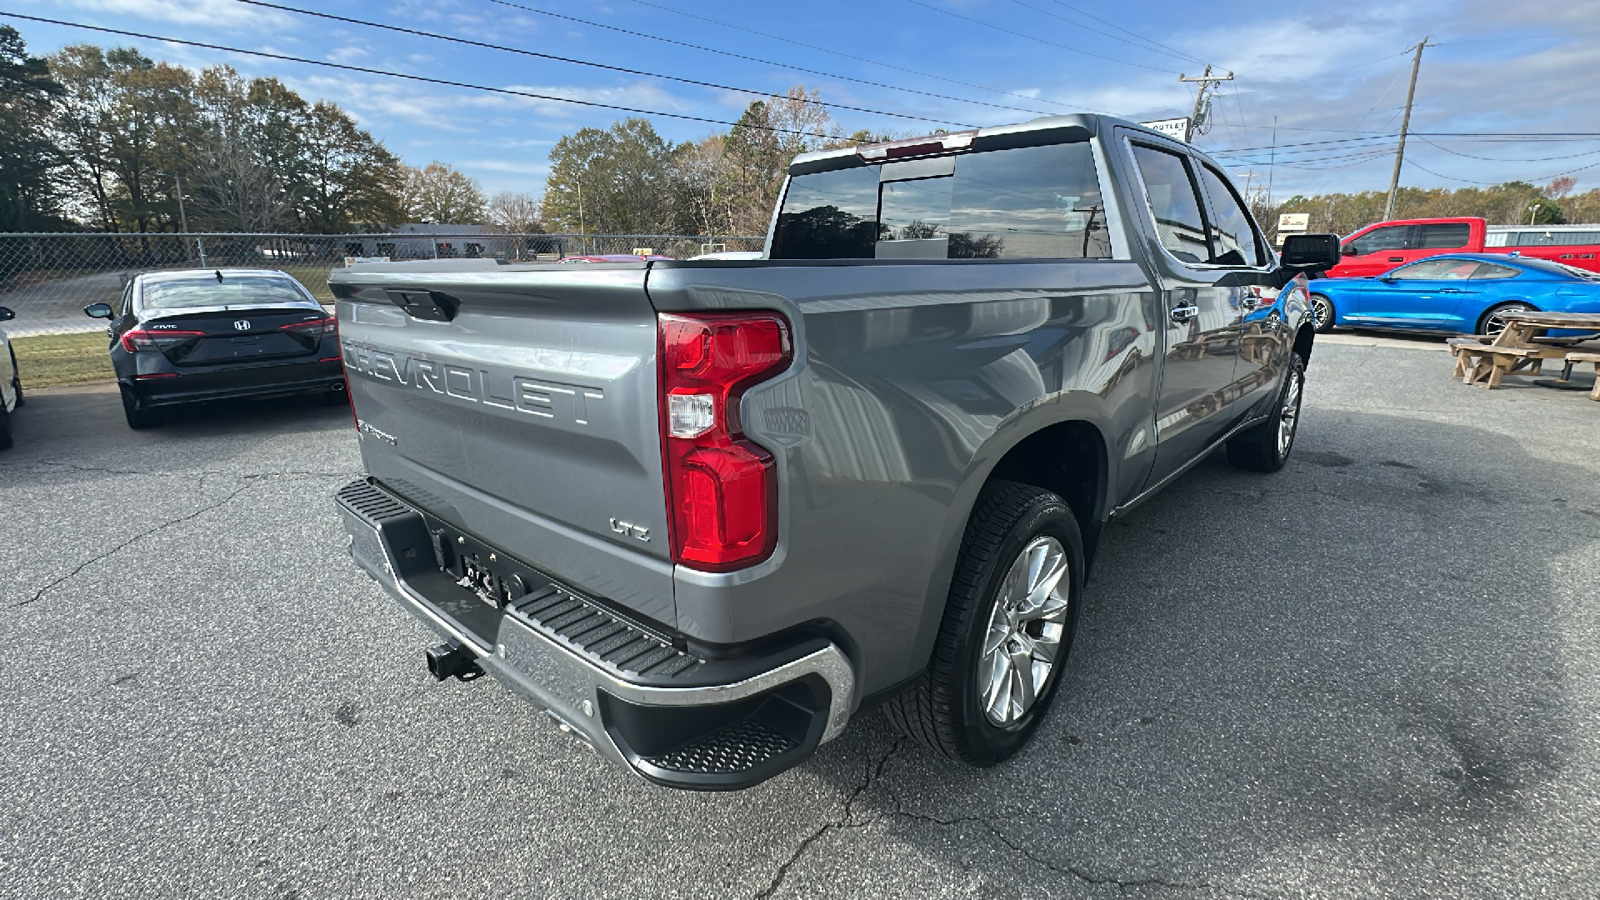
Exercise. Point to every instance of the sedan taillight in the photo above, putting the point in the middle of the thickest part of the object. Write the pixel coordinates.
(721, 488)
(143, 340)
(317, 327)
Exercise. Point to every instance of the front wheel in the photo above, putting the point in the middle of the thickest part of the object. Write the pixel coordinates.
(5, 427)
(1321, 313)
(1007, 629)
(1265, 447)
(138, 419)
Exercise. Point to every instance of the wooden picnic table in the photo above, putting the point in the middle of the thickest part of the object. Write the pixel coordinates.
(1523, 345)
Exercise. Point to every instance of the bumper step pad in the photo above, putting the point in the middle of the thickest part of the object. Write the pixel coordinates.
(738, 748)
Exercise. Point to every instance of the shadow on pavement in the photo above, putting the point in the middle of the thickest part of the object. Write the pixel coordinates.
(1356, 662)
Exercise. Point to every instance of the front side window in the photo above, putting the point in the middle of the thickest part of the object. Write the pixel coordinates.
(1442, 236)
(1021, 203)
(1233, 238)
(1174, 203)
(1389, 237)
(1435, 270)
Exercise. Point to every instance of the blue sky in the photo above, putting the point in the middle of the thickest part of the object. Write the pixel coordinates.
(1328, 72)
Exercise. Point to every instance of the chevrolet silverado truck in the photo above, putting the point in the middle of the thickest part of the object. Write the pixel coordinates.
(703, 513)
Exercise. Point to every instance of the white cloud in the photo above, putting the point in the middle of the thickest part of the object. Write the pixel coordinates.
(227, 14)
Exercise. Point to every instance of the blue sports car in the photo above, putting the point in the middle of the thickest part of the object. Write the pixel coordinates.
(1456, 293)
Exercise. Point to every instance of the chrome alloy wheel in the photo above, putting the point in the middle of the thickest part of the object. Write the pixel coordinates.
(1025, 631)
(1321, 313)
(1289, 414)
(1496, 322)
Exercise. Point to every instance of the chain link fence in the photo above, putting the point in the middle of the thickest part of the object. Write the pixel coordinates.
(47, 279)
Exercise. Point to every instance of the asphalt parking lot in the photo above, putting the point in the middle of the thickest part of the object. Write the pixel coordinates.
(1376, 673)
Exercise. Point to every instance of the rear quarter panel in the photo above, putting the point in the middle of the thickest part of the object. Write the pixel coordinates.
(911, 381)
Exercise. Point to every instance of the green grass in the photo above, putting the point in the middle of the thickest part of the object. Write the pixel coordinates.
(52, 359)
(315, 278)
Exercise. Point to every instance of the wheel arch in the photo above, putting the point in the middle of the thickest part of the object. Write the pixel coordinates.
(1026, 450)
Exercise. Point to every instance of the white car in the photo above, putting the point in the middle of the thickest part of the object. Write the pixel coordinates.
(10, 381)
(730, 254)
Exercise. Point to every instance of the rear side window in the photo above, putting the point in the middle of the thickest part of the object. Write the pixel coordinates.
(1490, 270)
(1389, 237)
(1174, 202)
(1233, 238)
(1436, 270)
(1442, 236)
(1024, 203)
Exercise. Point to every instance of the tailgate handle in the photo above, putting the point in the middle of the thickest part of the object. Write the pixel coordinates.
(435, 306)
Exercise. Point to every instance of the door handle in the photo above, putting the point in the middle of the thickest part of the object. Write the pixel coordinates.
(1449, 290)
(1184, 313)
(1397, 259)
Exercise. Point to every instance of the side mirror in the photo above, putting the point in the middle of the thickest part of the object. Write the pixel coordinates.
(1349, 250)
(6, 314)
(1310, 252)
(98, 310)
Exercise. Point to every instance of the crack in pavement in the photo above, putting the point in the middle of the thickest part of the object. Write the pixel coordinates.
(249, 482)
(1078, 872)
(874, 773)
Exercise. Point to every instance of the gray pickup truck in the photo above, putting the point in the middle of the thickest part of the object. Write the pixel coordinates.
(702, 513)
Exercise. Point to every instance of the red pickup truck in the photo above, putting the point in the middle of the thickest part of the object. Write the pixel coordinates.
(1378, 248)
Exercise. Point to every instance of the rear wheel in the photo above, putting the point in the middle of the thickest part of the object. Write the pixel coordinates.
(1266, 447)
(335, 398)
(1493, 322)
(5, 427)
(137, 418)
(1007, 629)
(1322, 313)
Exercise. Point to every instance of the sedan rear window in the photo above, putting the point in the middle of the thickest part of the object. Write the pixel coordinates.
(236, 290)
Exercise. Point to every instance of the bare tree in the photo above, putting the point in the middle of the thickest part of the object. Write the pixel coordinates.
(514, 213)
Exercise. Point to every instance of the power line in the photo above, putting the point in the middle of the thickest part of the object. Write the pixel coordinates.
(581, 62)
(1164, 50)
(765, 62)
(1089, 15)
(1498, 159)
(840, 53)
(284, 57)
(1030, 37)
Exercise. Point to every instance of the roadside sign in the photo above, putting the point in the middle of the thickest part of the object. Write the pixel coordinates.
(644, 251)
(1294, 223)
(352, 260)
(1173, 128)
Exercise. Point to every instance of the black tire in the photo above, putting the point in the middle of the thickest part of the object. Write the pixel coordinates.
(138, 419)
(1259, 448)
(16, 377)
(5, 428)
(943, 711)
(1322, 313)
(335, 398)
(1485, 321)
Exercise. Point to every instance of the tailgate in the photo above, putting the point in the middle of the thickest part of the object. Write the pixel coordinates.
(519, 404)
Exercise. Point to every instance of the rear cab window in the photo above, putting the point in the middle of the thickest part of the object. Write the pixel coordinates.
(1040, 202)
(1441, 236)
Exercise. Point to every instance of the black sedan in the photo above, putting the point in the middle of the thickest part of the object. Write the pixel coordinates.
(218, 334)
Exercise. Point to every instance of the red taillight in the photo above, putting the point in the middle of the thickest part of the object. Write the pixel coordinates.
(721, 488)
(140, 339)
(317, 327)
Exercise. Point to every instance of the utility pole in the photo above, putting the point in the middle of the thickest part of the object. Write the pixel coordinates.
(1206, 80)
(1405, 124)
